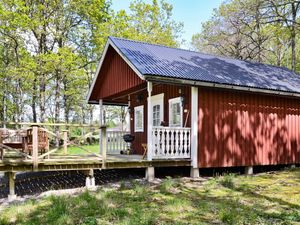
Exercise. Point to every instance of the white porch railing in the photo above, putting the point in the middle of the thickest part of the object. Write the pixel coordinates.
(115, 142)
(171, 142)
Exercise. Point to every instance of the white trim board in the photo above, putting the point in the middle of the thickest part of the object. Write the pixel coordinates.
(110, 43)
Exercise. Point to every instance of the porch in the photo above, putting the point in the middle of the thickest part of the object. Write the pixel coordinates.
(166, 142)
(159, 118)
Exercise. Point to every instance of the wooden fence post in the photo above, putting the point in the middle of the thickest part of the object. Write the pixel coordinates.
(57, 138)
(65, 133)
(104, 146)
(11, 182)
(35, 146)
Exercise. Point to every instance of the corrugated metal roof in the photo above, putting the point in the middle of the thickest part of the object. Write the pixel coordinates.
(163, 61)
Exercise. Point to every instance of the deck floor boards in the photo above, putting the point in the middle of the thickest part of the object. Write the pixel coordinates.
(81, 162)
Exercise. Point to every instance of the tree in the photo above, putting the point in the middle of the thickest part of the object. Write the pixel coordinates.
(49, 50)
(287, 12)
(234, 30)
(255, 30)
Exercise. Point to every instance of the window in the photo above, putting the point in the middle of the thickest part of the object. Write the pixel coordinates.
(156, 115)
(157, 102)
(175, 112)
(139, 118)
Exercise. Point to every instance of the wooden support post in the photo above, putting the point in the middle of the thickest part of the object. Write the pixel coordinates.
(104, 146)
(149, 122)
(249, 170)
(90, 179)
(128, 115)
(292, 166)
(150, 173)
(65, 134)
(35, 146)
(100, 124)
(194, 133)
(11, 182)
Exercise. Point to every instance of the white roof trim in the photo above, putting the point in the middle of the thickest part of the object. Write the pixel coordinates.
(97, 71)
(126, 60)
(110, 43)
(225, 86)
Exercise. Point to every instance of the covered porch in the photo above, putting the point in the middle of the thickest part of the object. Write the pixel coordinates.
(159, 119)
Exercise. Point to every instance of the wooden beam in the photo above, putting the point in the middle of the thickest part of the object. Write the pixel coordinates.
(149, 122)
(104, 146)
(50, 124)
(35, 146)
(11, 182)
(65, 135)
(100, 124)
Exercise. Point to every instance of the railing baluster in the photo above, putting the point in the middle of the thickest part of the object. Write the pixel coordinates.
(177, 142)
(115, 141)
(171, 142)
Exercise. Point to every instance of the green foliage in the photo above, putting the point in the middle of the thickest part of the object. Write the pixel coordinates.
(274, 199)
(49, 51)
(255, 30)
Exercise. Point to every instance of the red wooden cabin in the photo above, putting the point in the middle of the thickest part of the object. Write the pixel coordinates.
(219, 112)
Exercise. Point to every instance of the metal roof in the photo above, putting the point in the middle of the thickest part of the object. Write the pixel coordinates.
(161, 61)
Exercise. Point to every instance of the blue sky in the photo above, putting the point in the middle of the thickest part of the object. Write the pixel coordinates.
(191, 12)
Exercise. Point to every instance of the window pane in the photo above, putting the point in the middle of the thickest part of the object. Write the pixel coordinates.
(156, 115)
(138, 119)
(176, 114)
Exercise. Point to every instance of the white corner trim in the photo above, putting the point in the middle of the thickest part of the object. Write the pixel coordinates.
(194, 126)
(149, 121)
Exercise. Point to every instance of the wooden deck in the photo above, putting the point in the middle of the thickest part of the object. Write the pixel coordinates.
(85, 162)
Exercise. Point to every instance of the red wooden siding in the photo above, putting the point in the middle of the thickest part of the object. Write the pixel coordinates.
(243, 129)
(115, 76)
(170, 91)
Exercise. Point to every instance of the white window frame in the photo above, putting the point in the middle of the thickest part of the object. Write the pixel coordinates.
(158, 100)
(174, 101)
(136, 109)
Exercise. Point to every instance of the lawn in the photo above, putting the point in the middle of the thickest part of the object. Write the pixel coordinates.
(73, 150)
(269, 198)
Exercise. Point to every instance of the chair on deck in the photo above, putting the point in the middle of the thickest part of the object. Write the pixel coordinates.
(43, 142)
(145, 150)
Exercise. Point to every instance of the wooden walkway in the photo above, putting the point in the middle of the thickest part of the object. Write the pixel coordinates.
(86, 162)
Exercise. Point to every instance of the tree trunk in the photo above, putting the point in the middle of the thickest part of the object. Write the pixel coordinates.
(293, 36)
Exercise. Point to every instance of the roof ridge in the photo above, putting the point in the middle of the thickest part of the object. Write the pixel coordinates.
(207, 54)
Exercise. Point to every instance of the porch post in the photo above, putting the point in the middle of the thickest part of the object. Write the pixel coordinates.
(128, 116)
(100, 124)
(194, 132)
(35, 146)
(149, 122)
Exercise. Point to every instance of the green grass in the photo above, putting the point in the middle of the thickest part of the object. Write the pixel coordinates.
(272, 198)
(73, 150)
